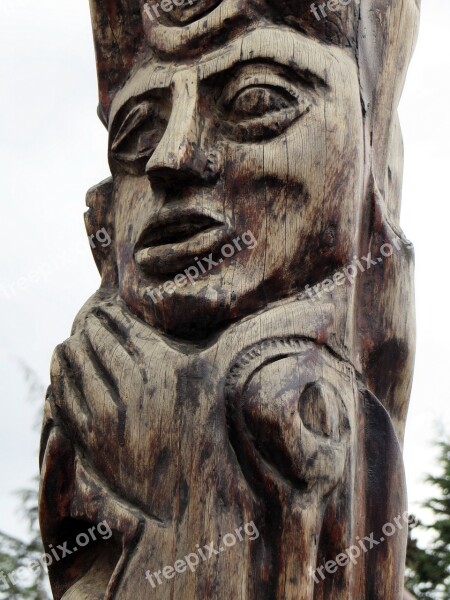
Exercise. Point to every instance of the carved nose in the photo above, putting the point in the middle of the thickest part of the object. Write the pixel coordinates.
(185, 165)
(182, 155)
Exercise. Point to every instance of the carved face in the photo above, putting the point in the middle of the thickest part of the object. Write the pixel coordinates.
(247, 162)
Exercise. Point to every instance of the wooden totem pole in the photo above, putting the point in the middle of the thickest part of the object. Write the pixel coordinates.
(230, 406)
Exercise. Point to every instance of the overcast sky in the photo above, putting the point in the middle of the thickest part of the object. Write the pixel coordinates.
(53, 148)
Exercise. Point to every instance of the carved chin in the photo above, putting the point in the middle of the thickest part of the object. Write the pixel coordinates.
(202, 307)
(184, 314)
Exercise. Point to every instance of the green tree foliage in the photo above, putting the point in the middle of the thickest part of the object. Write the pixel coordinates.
(428, 569)
(22, 574)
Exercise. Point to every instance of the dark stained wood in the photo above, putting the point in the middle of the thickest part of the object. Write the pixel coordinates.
(244, 370)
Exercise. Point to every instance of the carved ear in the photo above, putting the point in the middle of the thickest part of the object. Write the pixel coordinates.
(118, 36)
(99, 224)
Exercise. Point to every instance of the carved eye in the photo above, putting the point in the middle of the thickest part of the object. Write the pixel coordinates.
(257, 102)
(190, 11)
(262, 111)
(134, 139)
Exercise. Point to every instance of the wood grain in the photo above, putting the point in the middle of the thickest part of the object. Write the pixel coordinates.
(244, 370)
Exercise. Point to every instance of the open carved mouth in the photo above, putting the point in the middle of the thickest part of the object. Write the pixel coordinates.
(178, 231)
(177, 238)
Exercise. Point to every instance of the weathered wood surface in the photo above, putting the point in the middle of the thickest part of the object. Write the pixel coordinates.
(272, 388)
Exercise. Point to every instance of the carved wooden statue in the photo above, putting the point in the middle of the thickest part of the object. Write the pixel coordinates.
(232, 400)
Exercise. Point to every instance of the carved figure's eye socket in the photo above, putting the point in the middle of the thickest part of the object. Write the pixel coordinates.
(258, 101)
(189, 11)
(262, 104)
(136, 135)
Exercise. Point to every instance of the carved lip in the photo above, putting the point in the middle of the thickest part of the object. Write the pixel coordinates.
(177, 237)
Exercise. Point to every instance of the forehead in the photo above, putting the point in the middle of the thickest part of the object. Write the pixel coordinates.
(185, 30)
(279, 45)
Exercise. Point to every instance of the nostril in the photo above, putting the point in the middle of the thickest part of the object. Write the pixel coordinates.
(204, 170)
(167, 176)
(170, 188)
(159, 176)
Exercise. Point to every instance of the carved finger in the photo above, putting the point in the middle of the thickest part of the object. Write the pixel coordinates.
(135, 336)
(94, 382)
(68, 396)
(113, 356)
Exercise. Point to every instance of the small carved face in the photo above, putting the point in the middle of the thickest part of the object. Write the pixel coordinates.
(238, 177)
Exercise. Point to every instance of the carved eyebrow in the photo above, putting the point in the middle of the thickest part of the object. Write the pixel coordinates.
(273, 70)
(310, 55)
(304, 59)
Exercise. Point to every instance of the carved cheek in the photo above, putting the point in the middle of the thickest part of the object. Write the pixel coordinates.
(133, 201)
(298, 421)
